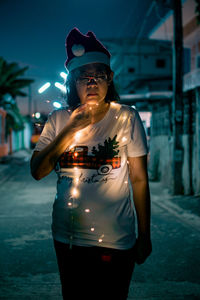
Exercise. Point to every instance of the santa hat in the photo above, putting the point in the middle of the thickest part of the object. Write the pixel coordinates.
(83, 49)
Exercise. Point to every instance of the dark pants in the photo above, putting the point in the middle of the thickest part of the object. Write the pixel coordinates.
(94, 272)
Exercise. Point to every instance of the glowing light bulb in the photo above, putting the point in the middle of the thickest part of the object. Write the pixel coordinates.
(116, 117)
(87, 210)
(69, 204)
(75, 192)
(76, 179)
(92, 228)
(124, 139)
(75, 154)
(77, 135)
(101, 238)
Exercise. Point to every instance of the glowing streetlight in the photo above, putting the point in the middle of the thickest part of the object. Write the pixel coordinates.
(60, 86)
(63, 75)
(44, 87)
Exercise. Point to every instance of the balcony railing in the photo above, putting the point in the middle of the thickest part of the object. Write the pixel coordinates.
(191, 80)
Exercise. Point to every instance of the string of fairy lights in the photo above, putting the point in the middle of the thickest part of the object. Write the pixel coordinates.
(73, 201)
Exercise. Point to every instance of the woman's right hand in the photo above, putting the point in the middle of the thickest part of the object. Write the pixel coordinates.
(80, 117)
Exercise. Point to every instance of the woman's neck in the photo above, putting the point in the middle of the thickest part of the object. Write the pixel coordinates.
(99, 112)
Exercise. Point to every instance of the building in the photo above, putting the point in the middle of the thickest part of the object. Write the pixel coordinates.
(140, 65)
(142, 73)
(3, 144)
(162, 137)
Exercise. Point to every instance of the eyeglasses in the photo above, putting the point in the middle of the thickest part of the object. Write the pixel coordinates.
(98, 79)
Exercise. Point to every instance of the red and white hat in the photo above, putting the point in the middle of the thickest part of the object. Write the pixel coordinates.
(83, 49)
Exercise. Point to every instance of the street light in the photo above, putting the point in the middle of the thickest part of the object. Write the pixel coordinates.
(60, 86)
(63, 75)
(37, 115)
(44, 87)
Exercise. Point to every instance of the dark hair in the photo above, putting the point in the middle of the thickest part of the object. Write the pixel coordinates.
(72, 97)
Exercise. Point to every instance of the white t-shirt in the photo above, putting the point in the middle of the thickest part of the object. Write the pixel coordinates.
(93, 206)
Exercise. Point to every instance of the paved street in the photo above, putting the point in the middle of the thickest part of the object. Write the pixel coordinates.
(27, 259)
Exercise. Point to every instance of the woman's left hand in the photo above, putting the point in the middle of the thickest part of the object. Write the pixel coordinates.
(143, 249)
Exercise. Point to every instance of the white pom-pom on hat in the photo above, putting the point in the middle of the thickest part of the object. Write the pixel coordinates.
(78, 50)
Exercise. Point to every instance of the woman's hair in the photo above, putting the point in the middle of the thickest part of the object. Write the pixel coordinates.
(72, 97)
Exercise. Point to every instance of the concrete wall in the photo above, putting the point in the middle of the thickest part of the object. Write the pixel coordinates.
(27, 135)
(191, 142)
(187, 167)
(196, 143)
(161, 143)
(21, 139)
(160, 165)
(3, 144)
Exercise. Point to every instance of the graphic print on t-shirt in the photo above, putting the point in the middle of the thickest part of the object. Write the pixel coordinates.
(103, 159)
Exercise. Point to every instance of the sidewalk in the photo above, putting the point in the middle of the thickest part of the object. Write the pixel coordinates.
(23, 155)
(9, 163)
(185, 207)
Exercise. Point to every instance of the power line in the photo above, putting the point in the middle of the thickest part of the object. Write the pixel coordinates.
(131, 13)
(145, 20)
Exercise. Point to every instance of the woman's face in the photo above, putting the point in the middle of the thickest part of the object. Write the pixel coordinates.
(92, 84)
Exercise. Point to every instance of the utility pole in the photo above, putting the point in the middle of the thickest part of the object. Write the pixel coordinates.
(177, 103)
(29, 101)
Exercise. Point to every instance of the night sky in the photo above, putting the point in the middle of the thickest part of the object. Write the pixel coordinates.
(33, 32)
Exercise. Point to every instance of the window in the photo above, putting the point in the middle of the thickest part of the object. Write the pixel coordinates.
(131, 70)
(160, 63)
(198, 61)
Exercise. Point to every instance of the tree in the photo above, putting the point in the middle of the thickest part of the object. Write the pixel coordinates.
(9, 79)
(108, 151)
(10, 87)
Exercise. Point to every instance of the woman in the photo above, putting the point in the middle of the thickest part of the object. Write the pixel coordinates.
(98, 149)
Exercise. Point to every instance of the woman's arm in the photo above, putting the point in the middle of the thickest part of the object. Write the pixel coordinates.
(43, 162)
(141, 197)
